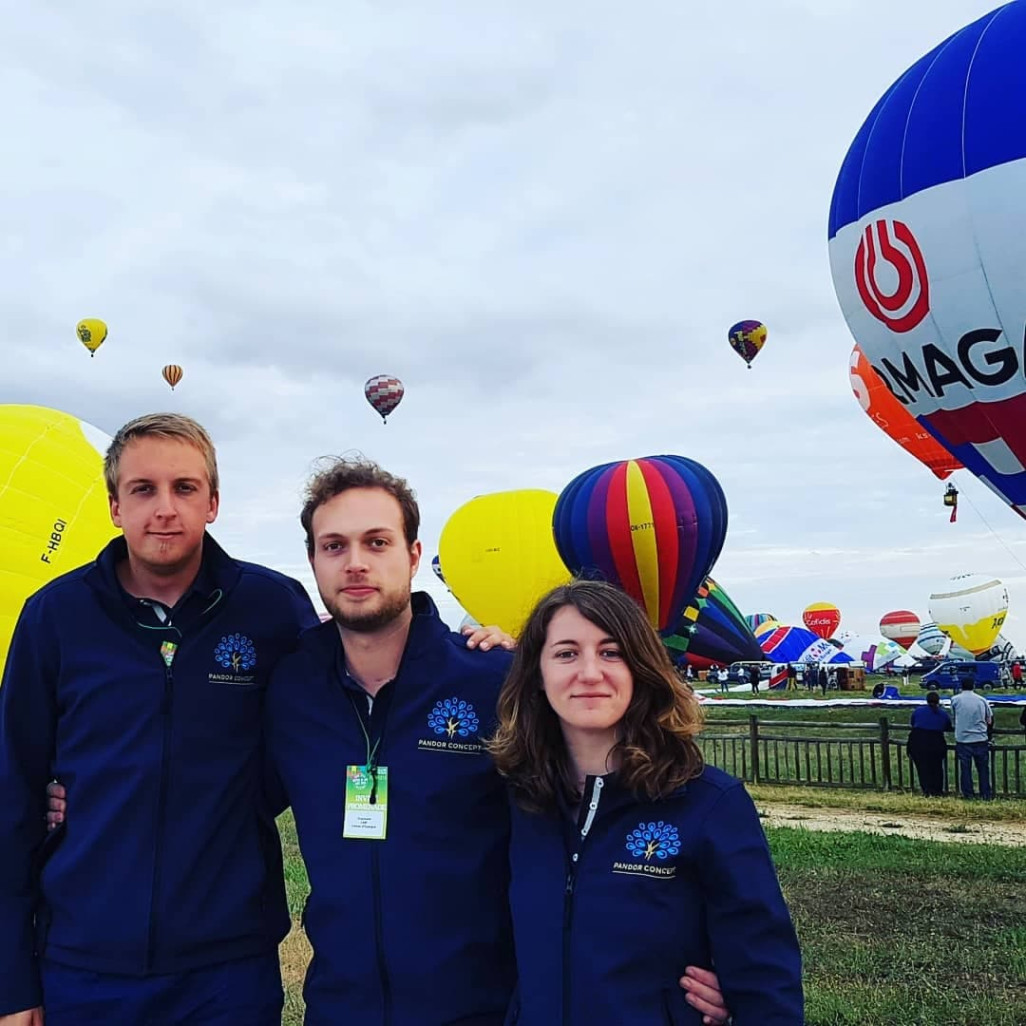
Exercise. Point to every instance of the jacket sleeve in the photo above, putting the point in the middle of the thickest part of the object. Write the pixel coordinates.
(754, 946)
(303, 609)
(28, 710)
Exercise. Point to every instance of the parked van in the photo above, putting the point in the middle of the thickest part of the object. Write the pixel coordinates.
(953, 672)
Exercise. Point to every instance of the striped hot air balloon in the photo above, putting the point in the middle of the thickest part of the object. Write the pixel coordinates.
(172, 374)
(653, 526)
(901, 625)
(384, 393)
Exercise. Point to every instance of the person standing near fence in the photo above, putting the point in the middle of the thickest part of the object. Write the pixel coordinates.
(974, 723)
(926, 745)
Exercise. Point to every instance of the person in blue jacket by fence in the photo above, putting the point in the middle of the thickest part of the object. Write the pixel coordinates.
(628, 859)
(138, 681)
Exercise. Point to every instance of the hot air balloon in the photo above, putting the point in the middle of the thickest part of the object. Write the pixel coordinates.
(746, 339)
(499, 556)
(385, 393)
(797, 645)
(875, 652)
(971, 609)
(712, 630)
(755, 620)
(928, 246)
(822, 618)
(901, 626)
(765, 628)
(172, 374)
(91, 333)
(652, 526)
(54, 513)
(932, 640)
(436, 569)
(884, 410)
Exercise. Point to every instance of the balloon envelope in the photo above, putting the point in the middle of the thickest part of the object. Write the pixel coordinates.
(384, 393)
(932, 640)
(822, 618)
(927, 237)
(797, 645)
(712, 630)
(54, 514)
(971, 609)
(902, 626)
(886, 412)
(747, 338)
(499, 556)
(91, 333)
(172, 374)
(875, 651)
(652, 526)
(755, 620)
(436, 568)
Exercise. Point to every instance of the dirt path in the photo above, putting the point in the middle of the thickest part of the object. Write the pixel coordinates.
(924, 828)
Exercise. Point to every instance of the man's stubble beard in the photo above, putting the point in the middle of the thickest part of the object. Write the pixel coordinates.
(392, 606)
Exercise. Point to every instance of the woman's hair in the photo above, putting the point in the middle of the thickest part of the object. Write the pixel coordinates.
(656, 751)
(933, 698)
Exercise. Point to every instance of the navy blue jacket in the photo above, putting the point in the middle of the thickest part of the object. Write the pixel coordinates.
(605, 925)
(169, 860)
(413, 930)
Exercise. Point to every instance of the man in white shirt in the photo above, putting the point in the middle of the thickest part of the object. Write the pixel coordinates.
(974, 722)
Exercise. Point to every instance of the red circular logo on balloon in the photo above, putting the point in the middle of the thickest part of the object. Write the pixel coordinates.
(891, 275)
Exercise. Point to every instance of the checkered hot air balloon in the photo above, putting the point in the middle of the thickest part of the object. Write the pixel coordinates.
(652, 526)
(384, 393)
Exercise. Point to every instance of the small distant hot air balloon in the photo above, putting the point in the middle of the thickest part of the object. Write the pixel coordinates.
(901, 626)
(822, 618)
(747, 338)
(652, 526)
(91, 333)
(172, 374)
(384, 393)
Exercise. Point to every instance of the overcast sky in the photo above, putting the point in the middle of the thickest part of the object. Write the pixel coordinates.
(543, 217)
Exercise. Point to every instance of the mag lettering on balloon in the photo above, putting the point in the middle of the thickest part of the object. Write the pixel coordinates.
(928, 246)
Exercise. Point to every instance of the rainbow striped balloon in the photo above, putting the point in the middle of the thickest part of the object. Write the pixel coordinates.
(653, 526)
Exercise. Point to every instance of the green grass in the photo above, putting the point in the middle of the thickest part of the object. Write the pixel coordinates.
(893, 931)
(900, 931)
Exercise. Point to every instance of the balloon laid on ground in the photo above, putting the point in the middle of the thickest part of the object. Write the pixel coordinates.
(712, 630)
(91, 333)
(875, 652)
(54, 513)
(652, 526)
(797, 645)
(902, 626)
(822, 618)
(172, 374)
(384, 393)
(747, 338)
(499, 556)
(932, 640)
(971, 610)
(887, 413)
(928, 246)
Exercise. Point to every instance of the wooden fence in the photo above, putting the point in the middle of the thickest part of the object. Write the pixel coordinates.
(868, 756)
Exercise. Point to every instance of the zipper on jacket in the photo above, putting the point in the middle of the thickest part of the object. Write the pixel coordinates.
(386, 990)
(568, 894)
(165, 711)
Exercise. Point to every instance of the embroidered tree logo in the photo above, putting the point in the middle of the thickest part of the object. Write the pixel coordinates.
(453, 716)
(658, 839)
(235, 652)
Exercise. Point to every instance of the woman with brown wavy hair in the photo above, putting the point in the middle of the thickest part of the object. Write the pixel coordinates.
(629, 858)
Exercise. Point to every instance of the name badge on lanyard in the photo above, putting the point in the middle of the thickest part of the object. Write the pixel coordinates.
(366, 809)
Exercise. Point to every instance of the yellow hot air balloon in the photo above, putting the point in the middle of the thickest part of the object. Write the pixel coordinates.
(971, 610)
(91, 333)
(500, 557)
(172, 374)
(54, 513)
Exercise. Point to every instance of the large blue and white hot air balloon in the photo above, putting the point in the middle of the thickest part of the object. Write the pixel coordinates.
(928, 245)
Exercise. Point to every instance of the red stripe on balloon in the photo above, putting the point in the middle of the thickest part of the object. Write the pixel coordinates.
(618, 522)
(664, 518)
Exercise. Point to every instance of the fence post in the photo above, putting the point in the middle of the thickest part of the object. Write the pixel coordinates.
(753, 737)
(885, 752)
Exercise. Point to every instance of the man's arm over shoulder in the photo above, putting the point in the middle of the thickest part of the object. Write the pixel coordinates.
(28, 712)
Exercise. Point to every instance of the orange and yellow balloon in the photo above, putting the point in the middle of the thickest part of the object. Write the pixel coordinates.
(172, 374)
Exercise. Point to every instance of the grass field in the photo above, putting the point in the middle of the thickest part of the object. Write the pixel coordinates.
(893, 931)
